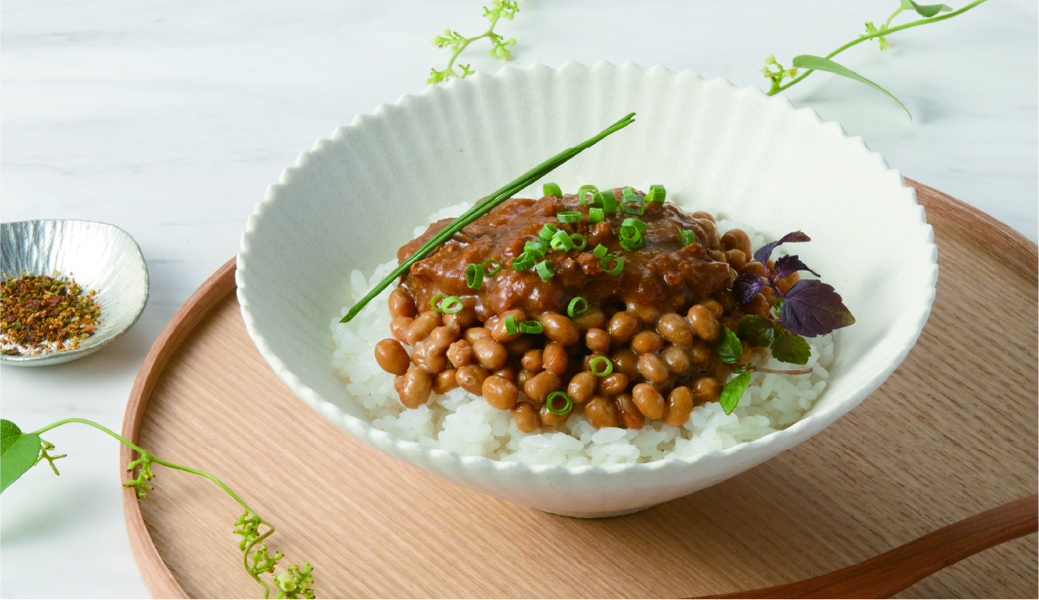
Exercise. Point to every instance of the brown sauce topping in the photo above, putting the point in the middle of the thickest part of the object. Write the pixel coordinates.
(660, 275)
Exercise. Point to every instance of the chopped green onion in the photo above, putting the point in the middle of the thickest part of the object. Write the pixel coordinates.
(617, 269)
(599, 251)
(536, 248)
(656, 194)
(630, 233)
(551, 189)
(489, 202)
(510, 325)
(686, 237)
(633, 222)
(633, 204)
(561, 242)
(474, 276)
(551, 401)
(579, 241)
(627, 191)
(523, 262)
(491, 266)
(544, 270)
(577, 306)
(570, 216)
(607, 200)
(435, 301)
(596, 215)
(451, 305)
(548, 231)
(532, 326)
(633, 245)
(601, 366)
(589, 189)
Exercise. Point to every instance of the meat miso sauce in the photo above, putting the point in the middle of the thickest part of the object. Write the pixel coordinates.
(612, 309)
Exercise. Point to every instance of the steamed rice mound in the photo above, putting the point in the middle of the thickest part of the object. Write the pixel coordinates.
(467, 424)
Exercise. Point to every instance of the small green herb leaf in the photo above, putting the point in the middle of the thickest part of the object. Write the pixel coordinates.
(788, 347)
(18, 452)
(925, 10)
(818, 63)
(730, 349)
(756, 330)
(733, 391)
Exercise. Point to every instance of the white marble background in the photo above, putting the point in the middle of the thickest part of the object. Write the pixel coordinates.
(170, 119)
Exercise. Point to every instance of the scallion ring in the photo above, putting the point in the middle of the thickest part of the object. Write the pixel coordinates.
(561, 242)
(451, 305)
(510, 325)
(633, 222)
(491, 266)
(435, 301)
(544, 270)
(633, 204)
(607, 200)
(600, 251)
(577, 306)
(686, 237)
(534, 327)
(615, 270)
(596, 215)
(580, 242)
(474, 276)
(589, 189)
(656, 194)
(551, 189)
(569, 216)
(547, 232)
(633, 245)
(550, 402)
(536, 248)
(524, 261)
(600, 366)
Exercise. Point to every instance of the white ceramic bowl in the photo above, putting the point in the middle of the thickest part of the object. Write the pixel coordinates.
(354, 199)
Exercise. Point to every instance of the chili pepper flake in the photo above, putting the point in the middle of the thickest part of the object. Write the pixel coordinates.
(40, 314)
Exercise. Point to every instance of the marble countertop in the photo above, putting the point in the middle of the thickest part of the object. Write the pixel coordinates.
(170, 119)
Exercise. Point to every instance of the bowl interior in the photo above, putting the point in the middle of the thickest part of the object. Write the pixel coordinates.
(98, 256)
(354, 199)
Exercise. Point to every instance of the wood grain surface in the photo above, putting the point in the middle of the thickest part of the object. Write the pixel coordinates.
(952, 433)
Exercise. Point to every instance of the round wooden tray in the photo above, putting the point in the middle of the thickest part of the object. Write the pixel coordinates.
(951, 433)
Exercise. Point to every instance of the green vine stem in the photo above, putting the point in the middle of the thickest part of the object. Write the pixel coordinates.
(885, 30)
(294, 583)
(458, 42)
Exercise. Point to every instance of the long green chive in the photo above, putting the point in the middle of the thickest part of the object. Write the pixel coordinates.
(550, 402)
(544, 270)
(474, 276)
(547, 232)
(435, 301)
(491, 266)
(590, 190)
(524, 261)
(561, 242)
(577, 306)
(551, 189)
(607, 200)
(489, 203)
(615, 270)
(535, 248)
(600, 366)
(656, 194)
(510, 325)
(451, 305)
(570, 216)
(532, 326)
(579, 241)
(596, 215)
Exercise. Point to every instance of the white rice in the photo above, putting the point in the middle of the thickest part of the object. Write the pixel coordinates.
(466, 424)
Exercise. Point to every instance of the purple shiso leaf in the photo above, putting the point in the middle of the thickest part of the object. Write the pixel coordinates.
(763, 253)
(747, 285)
(785, 265)
(813, 308)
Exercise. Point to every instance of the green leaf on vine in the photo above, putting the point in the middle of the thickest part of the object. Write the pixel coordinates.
(18, 452)
(925, 10)
(818, 63)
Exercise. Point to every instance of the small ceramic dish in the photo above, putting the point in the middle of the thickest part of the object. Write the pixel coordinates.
(97, 256)
(354, 199)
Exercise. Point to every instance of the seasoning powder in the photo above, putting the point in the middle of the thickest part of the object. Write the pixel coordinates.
(42, 314)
